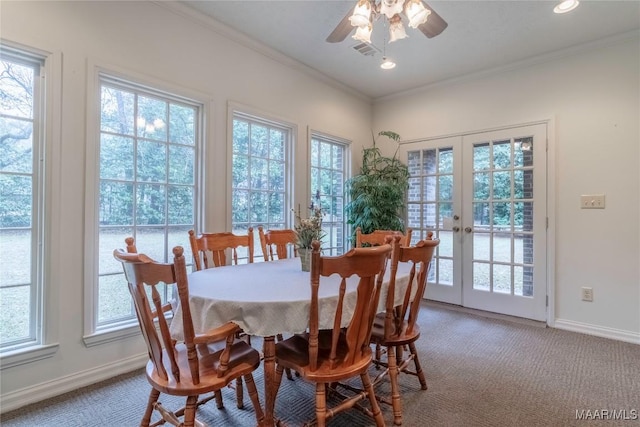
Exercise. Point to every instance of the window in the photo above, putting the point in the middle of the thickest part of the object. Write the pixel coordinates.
(148, 157)
(328, 173)
(21, 195)
(260, 180)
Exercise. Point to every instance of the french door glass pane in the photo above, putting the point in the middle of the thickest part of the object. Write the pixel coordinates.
(481, 246)
(502, 278)
(502, 247)
(445, 271)
(481, 276)
(502, 154)
(445, 248)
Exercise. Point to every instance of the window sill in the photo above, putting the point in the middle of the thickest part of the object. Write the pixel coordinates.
(27, 355)
(105, 337)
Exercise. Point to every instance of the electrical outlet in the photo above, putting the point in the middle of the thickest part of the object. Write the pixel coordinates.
(592, 201)
(587, 294)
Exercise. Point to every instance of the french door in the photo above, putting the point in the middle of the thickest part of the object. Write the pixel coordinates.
(484, 196)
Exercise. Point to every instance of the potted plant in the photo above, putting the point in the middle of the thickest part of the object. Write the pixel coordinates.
(377, 193)
(307, 230)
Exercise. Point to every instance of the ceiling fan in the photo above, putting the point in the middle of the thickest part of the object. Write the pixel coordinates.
(362, 16)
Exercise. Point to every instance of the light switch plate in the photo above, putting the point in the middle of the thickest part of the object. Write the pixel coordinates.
(592, 201)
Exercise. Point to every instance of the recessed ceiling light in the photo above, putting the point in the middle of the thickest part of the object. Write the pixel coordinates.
(566, 6)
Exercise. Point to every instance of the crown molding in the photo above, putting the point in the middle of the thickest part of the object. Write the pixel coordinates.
(236, 36)
(562, 53)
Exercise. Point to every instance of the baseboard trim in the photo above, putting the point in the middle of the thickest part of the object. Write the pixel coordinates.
(599, 331)
(26, 396)
(487, 314)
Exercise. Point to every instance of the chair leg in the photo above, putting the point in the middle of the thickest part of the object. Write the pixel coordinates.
(255, 400)
(375, 408)
(416, 361)
(396, 403)
(321, 405)
(190, 411)
(219, 402)
(277, 379)
(153, 398)
(279, 338)
(239, 393)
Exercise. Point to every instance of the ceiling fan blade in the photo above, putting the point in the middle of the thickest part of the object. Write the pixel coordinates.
(434, 25)
(343, 29)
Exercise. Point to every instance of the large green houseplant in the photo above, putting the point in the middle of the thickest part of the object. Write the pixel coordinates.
(377, 193)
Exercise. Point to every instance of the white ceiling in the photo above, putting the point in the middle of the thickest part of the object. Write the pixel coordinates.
(481, 36)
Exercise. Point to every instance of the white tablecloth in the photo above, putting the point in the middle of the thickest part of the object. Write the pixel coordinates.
(269, 298)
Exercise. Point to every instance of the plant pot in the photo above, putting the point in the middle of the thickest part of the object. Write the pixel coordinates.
(305, 258)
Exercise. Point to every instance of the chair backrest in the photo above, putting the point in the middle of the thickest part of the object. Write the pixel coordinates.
(209, 249)
(377, 237)
(420, 257)
(369, 265)
(281, 240)
(144, 276)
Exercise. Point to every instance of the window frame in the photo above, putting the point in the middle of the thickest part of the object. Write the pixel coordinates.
(243, 112)
(145, 85)
(346, 145)
(46, 206)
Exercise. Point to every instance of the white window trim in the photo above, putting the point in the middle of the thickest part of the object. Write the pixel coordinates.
(92, 336)
(47, 317)
(234, 108)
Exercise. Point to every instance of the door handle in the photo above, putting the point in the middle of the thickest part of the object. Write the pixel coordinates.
(468, 229)
(456, 229)
(456, 217)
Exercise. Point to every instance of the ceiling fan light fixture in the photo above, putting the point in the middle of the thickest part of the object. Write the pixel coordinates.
(361, 14)
(416, 13)
(387, 64)
(363, 34)
(391, 7)
(396, 29)
(566, 6)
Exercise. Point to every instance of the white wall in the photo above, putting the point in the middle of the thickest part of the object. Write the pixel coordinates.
(593, 95)
(151, 40)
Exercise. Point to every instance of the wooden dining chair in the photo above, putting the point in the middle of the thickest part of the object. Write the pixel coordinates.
(397, 326)
(377, 237)
(201, 363)
(329, 356)
(210, 249)
(281, 240)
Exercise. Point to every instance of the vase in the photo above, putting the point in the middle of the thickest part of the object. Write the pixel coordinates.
(305, 258)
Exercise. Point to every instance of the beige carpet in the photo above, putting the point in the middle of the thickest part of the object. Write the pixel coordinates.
(481, 371)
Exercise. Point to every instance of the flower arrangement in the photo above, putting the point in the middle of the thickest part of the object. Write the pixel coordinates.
(309, 229)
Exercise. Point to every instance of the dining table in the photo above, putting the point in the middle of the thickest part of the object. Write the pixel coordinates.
(270, 298)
